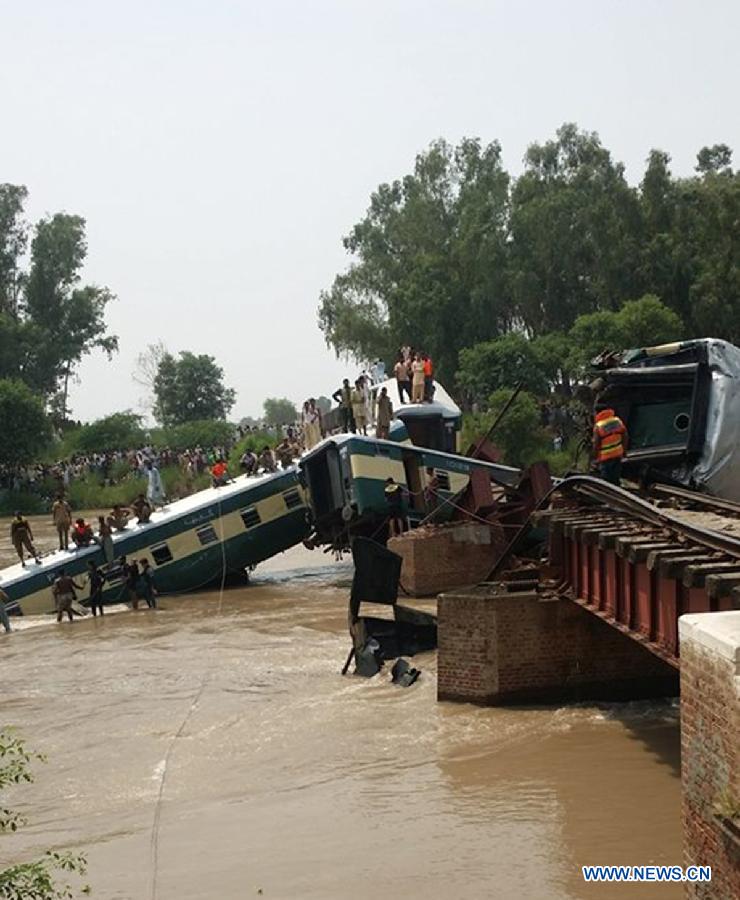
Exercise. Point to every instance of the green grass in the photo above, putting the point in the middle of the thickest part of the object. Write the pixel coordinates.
(28, 504)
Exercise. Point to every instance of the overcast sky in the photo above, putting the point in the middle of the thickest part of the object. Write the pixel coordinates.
(219, 150)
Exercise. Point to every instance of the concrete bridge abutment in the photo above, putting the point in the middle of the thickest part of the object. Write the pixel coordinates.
(499, 646)
(710, 750)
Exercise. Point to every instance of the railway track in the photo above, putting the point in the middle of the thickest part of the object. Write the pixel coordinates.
(638, 565)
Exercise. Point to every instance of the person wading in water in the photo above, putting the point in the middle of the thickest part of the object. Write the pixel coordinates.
(97, 580)
(64, 594)
(131, 574)
(4, 617)
(146, 589)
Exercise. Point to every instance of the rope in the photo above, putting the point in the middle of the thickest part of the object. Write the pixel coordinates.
(154, 842)
(205, 678)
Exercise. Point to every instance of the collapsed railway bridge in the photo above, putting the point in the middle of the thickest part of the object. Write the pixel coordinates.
(633, 598)
(617, 566)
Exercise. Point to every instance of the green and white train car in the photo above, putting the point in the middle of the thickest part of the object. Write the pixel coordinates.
(345, 477)
(190, 544)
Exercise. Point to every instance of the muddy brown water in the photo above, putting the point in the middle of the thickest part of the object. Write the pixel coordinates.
(212, 750)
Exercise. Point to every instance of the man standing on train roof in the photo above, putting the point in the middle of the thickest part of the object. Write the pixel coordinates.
(609, 443)
(428, 377)
(22, 538)
(154, 488)
(384, 415)
(61, 516)
(343, 396)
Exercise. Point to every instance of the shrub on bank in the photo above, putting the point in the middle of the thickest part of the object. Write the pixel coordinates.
(205, 433)
(255, 441)
(28, 504)
(520, 436)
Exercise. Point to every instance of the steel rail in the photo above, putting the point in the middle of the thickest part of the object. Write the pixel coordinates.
(604, 493)
(705, 500)
(622, 499)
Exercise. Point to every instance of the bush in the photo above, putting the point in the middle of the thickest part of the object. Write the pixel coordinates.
(502, 362)
(519, 435)
(29, 504)
(31, 879)
(85, 494)
(256, 442)
(120, 431)
(205, 433)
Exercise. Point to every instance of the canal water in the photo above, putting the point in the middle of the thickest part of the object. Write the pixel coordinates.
(211, 749)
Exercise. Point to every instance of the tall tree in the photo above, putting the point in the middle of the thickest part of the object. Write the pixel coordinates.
(711, 221)
(430, 251)
(716, 159)
(500, 363)
(145, 374)
(191, 389)
(13, 237)
(575, 227)
(279, 411)
(68, 319)
(48, 319)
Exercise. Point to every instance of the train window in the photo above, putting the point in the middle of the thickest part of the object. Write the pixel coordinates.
(250, 517)
(161, 554)
(443, 479)
(292, 499)
(206, 534)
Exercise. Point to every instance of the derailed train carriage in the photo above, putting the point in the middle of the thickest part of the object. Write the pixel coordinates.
(345, 477)
(191, 544)
(681, 405)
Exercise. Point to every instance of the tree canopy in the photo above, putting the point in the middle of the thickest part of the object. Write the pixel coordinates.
(552, 360)
(49, 320)
(279, 411)
(431, 251)
(119, 431)
(191, 388)
(462, 261)
(26, 429)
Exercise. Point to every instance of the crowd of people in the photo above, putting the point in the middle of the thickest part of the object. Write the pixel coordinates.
(107, 468)
(137, 577)
(414, 374)
(360, 410)
(363, 407)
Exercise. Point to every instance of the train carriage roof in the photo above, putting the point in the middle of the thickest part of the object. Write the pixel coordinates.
(442, 404)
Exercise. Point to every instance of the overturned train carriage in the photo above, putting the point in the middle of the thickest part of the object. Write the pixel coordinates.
(193, 543)
(345, 478)
(681, 405)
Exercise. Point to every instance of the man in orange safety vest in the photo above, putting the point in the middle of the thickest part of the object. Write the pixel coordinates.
(609, 443)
